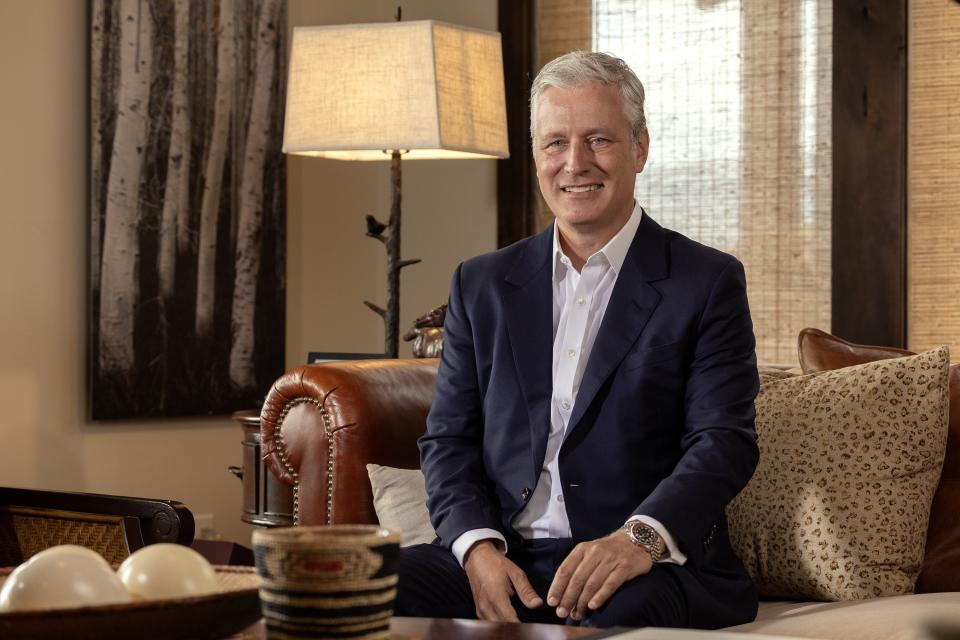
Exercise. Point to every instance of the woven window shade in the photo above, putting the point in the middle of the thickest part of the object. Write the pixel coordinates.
(564, 25)
(933, 164)
(738, 106)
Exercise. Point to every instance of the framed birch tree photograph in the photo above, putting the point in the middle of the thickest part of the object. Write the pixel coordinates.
(187, 205)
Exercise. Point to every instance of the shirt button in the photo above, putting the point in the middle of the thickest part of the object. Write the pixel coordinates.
(571, 352)
(566, 405)
(581, 301)
(560, 498)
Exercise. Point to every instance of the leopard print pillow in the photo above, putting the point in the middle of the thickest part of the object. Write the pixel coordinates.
(849, 461)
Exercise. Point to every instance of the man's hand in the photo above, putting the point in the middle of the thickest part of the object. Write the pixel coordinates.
(593, 572)
(493, 579)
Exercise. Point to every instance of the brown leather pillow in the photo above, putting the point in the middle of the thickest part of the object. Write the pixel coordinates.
(940, 571)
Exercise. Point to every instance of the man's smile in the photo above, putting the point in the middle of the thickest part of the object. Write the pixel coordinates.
(583, 188)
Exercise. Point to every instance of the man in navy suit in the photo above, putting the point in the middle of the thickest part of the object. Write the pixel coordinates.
(594, 404)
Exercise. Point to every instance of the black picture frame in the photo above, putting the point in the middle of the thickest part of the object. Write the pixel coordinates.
(319, 357)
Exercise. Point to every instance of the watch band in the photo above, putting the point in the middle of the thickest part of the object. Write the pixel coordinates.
(643, 535)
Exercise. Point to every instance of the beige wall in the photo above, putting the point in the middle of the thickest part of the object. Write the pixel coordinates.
(47, 442)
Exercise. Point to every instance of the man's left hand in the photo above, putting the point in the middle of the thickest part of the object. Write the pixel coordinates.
(593, 572)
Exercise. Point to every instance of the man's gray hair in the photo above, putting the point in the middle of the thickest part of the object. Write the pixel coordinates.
(579, 68)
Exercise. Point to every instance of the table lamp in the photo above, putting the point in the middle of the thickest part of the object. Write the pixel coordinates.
(419, 90)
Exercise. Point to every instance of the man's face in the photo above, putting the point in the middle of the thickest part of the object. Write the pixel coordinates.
(586, 161)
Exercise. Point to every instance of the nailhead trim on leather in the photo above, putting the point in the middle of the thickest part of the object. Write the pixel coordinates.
(284, 457)
(282, 450)
(328, 425)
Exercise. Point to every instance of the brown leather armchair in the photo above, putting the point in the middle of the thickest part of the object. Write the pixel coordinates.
(322, 424)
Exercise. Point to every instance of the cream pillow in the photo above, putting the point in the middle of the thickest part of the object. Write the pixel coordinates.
(849, 461)
(400, 500)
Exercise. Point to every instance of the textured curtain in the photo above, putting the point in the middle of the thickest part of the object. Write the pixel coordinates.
(739, 107)
(933, 164)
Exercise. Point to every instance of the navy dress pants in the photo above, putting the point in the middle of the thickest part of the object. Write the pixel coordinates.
(432, 584)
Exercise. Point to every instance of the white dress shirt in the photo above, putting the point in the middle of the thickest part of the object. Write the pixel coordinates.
(579, 303)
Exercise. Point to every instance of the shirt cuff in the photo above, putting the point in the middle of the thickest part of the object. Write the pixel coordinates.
(467, 539)
(675, 556)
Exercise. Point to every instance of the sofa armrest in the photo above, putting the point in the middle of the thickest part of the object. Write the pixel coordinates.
(322, 424)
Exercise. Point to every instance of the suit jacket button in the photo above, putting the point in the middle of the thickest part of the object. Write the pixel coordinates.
(525, 494)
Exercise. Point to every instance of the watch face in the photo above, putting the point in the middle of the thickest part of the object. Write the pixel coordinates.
(644, 534)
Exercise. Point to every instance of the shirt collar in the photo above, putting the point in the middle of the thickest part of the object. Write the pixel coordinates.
(615, 251)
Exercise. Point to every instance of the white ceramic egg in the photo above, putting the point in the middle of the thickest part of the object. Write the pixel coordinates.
(160, 571)
(61, 577)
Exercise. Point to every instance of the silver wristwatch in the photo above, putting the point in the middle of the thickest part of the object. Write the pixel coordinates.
(643, 535)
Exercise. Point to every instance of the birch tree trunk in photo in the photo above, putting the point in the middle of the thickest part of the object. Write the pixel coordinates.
(245, 49)
(176, 194)
(96, 135)
(196, 57)
(213, 174)
(247, 258)
(119, 287)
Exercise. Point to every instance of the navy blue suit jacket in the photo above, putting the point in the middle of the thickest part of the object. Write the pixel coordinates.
(663, 420)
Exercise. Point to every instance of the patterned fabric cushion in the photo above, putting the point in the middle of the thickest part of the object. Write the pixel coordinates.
(849, 461)
(940, 571)
(777, 372)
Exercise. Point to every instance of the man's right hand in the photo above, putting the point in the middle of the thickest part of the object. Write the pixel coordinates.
(493, 579)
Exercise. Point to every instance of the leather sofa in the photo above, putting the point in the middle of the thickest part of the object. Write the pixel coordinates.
(322, 424)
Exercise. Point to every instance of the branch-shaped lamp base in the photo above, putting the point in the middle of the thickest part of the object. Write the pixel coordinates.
(391, 242)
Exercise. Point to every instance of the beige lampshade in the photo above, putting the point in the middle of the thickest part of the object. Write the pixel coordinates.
(430, 88)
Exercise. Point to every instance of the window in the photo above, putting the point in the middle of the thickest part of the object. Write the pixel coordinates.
(739, 111)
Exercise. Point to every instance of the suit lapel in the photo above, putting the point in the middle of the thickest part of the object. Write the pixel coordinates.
(632, 302)
(528, 307)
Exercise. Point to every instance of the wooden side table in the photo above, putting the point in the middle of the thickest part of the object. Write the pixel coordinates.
(267, 502)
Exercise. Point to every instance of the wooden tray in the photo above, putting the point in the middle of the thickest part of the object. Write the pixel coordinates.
(212, 616)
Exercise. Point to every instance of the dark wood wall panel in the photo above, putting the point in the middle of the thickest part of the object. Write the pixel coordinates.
(515, 176)
(869, 171)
